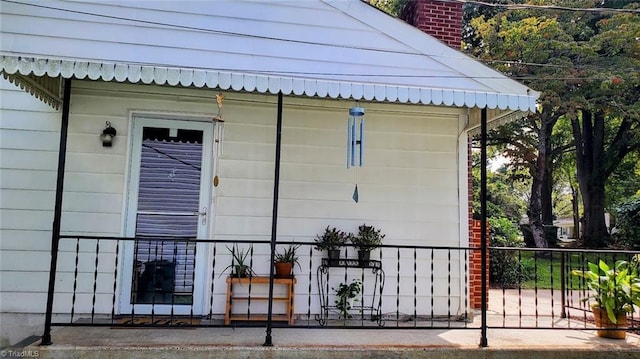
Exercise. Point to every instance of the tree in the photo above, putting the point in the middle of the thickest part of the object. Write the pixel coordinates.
(391, 7)
(506, 192)
(606, 120)
(624, 182)
(565, 178)
(522, 41)
(586, 65)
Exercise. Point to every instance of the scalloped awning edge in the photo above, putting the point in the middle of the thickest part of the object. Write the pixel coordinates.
(271, 83)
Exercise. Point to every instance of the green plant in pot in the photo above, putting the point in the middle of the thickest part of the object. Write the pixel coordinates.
(285, 260)
(367, 239)
(331, 241)
(346, 294)
(240, 267)
(615, 291)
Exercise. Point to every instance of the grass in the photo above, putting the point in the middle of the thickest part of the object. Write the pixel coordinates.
(546, 273)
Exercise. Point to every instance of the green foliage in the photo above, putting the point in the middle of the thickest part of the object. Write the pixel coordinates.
(368, 237)
(391, 7)
(240, 266)
(624, 182)
(616, 289)
(505, 193)
(288, 255)
(331, 239)
(628, 222)
(505, 268)
(504, 233)
(583, 64)
(345, 295)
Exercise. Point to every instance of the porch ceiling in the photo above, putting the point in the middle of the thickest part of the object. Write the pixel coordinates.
(321, 48)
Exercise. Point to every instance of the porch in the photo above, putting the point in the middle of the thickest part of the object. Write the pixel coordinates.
(299, 342)
(422, 307)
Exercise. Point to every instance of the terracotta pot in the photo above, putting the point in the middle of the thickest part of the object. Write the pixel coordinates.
(602, 321)
(283, 269)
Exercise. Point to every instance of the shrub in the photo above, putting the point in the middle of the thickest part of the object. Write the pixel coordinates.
(628, 223)
(505, 269)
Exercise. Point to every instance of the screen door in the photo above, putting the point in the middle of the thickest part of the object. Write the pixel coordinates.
(168, 210)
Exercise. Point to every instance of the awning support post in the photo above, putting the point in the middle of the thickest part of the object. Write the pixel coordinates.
(483, 224)
(274, 220)
(57, 212)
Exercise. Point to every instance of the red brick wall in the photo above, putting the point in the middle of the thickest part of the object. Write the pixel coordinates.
(475, 266)
(440, 19)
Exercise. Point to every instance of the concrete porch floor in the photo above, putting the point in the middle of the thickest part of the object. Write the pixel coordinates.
(301, 342)
(78, 342)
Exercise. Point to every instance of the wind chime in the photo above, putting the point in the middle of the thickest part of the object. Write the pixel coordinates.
(218, 135)
(355, 142)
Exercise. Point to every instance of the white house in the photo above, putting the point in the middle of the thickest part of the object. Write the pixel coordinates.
(152, 71)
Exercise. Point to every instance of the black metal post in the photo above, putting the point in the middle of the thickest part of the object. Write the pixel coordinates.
(57, 212)
(274, 220)
(563, 284)
(483, 223)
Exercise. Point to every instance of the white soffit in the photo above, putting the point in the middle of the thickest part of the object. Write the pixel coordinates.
(312, 48)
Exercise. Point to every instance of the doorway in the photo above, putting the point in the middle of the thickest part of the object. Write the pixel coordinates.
(167, 210)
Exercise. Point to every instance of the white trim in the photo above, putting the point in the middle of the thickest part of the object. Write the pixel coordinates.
(498, 121)
(463, 208)
(273, 83)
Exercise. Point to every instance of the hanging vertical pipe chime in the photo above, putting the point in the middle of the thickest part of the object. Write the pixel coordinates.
(355, 142)
(219, 128)
(218, 137)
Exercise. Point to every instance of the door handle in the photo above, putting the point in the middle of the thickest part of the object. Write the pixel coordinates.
(203, 213)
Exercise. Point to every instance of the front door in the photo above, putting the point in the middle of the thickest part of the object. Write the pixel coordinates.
(167, 210)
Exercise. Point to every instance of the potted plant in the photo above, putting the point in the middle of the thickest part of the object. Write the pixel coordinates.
(367, 239)
(240, 267)
(331, 241)
(615, 290)
(284, 261)
(346, 294)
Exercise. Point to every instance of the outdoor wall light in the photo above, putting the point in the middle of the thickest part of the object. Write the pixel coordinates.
(107, 135)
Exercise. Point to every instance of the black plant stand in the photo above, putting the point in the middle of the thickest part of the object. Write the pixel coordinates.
(375, 309)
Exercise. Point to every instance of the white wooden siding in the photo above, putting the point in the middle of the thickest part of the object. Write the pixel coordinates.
(29, 131)
(408, 186)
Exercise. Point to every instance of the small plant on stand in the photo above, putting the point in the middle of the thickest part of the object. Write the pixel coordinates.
(240, 267)
(367, 239)
(331, 241)
(285, 260)
(346, 294)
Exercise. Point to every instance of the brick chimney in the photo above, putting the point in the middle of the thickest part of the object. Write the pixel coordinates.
(440, 19)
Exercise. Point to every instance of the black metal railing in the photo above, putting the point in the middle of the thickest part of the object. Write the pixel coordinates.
(545, 294)
(177, 282)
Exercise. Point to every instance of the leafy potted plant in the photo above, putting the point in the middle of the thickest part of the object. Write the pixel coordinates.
(240, 267)
(331, 241)
(284, 261)
(615, 290)
(346, 294)
(367, 239)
